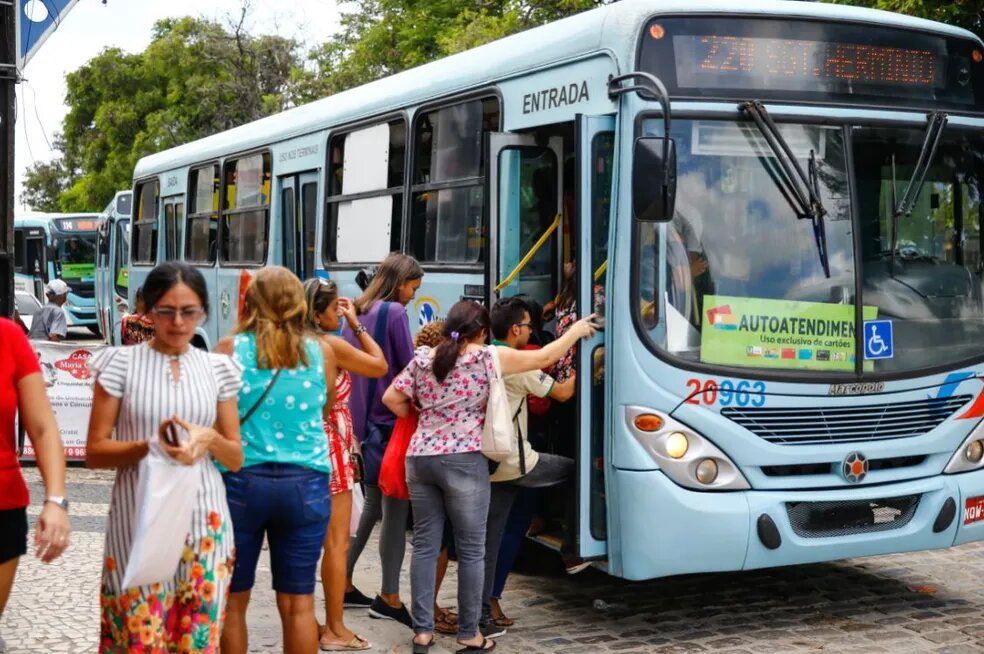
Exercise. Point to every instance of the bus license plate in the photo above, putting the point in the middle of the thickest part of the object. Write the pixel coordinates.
(973, 510)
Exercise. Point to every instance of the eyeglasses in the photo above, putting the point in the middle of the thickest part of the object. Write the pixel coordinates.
(524, 324)
(170, 313)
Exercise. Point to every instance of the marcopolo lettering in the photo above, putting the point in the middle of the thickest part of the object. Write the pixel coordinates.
(862, 388)
(556, 97)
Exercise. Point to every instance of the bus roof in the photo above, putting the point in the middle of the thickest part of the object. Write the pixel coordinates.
(613, 28)
(43, 216)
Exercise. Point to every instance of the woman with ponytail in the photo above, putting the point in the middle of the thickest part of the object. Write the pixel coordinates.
(447, 475)
(282, 490)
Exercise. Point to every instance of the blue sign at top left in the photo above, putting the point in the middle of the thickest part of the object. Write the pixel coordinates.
(36, 20)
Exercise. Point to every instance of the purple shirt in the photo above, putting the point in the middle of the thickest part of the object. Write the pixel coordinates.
(397, 346)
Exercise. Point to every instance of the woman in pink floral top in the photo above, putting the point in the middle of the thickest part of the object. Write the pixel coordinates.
(447, 475)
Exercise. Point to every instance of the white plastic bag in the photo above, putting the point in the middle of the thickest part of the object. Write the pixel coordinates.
(165, 499)
(358, 501)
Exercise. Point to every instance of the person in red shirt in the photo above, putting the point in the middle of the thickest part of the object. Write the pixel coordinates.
(22, 387)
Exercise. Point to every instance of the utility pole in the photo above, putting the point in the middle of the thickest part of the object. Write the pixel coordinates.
(8, 78)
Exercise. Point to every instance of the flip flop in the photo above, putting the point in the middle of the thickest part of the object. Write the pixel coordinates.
(423, 648)
(357, 644)
(469, 649)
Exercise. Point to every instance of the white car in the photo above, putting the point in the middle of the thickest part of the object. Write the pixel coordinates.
(27, 305)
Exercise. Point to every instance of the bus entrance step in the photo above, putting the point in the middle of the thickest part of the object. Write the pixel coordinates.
(552, 541)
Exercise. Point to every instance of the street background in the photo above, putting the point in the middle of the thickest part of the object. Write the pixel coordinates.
(919, 602)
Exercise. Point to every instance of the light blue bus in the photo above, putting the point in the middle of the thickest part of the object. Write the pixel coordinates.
(58, 245)
(113, 264)
(775, 205)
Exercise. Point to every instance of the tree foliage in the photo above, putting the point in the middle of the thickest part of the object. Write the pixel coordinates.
(968, 14)
(44, 182)
(382, 37)
(197, 78)
(194, 79)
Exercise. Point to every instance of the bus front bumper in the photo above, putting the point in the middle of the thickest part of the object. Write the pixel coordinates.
(664, 529)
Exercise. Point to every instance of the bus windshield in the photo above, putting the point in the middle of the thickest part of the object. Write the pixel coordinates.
(76, 257)
(743, 281)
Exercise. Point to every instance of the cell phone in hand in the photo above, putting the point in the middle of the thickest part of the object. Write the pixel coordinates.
(171, 434)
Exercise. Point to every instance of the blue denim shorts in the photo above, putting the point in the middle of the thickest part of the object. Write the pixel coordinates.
(291, 506)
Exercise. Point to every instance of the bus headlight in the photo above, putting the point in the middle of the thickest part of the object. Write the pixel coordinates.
(970, 455)
(677, 444)
(707, 471)
(686, 457)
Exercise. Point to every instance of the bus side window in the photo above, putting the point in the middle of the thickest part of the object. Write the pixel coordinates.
(365, 193)
(202, 225)
(145, 225)
(246, 215)
(447, 216)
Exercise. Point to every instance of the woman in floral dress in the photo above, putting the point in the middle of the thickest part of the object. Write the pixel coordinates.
(143, 391)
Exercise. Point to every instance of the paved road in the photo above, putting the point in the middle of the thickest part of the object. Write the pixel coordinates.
(923, 602)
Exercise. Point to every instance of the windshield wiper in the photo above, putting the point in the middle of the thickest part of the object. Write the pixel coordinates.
(802, 191)
(931, 142)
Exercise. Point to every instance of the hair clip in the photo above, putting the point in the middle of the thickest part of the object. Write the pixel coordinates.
(455, 336)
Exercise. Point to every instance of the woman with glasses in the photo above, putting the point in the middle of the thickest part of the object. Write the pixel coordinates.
(282, 491)
(159, 391)
(325, 310)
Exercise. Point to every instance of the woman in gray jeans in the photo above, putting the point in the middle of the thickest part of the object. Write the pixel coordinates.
(447, 475)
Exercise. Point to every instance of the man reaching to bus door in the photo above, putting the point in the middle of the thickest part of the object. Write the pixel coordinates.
(50, 323)
(525, 467)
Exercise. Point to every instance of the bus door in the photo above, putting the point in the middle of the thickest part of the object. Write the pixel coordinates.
(297, 221)
(103, 284)
(595, 145)
(525, 187)
(35, 262)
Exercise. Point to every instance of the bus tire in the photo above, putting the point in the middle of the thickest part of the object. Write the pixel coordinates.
(95, 330)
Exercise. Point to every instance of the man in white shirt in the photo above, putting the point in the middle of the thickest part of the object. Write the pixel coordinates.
(50, 323)
(525, 467)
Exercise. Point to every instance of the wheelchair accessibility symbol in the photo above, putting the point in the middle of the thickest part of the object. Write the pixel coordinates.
(878, 341)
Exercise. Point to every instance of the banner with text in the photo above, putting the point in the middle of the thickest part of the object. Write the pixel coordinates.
(69, 385)
(741, 331)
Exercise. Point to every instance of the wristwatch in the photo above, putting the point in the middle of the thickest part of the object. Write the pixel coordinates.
(59, 500)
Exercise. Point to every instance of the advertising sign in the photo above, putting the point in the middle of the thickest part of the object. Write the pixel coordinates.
(69, 386)
(788, 334)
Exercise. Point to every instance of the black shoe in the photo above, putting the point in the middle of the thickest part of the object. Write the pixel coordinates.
(354, 599)
(383, 611)
(491, 630)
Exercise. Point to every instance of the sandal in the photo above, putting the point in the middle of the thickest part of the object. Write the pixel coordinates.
(357, 644)
(500, 620)
(446, 622)
(423, 648)
(469, 649)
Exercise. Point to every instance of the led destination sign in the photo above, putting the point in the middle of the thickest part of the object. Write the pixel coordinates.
(735, 62)
(812, 61)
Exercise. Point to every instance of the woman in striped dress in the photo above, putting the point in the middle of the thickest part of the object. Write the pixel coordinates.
(142, 392)
(325, 311)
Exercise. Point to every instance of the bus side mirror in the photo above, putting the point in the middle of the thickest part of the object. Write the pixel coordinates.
(654, 179)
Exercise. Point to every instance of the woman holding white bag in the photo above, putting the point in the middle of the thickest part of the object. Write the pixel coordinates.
(171, 402)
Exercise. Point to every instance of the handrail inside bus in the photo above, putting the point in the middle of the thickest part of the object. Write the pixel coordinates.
(529, 255)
